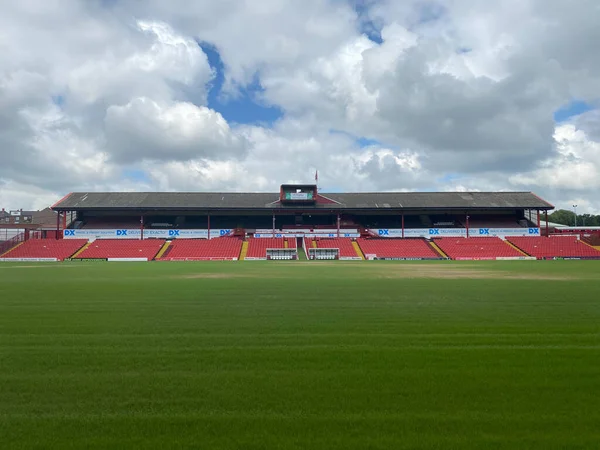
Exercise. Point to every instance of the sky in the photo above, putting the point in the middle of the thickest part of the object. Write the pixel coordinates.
(241, 95)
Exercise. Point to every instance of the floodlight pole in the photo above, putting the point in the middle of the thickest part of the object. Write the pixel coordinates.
(338, 225)
(273, 225)
(403, 225)
(142, 227)
(467, 225)
(575, 212)
(208, 225)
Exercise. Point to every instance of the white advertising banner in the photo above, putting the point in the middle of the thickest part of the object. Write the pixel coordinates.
(455, 232)
(29, 259)
(321, 235)
(148, 234)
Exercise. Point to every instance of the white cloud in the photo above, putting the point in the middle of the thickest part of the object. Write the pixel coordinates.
(460, 95)
(144, 129)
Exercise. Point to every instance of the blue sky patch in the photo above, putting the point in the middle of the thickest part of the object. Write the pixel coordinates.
(361, 141)
(135, 175)
(366, 25)
(575, 108)
(58, 100)
(244, 108)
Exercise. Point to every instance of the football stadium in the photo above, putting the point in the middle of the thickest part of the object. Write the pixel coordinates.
(297, 223)
(405, 320)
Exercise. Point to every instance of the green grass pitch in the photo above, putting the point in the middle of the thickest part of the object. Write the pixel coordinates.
(261, 355)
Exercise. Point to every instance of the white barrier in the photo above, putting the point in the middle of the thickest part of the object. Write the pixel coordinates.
(309, 235)
(29, 259)
(516, 258)
(127, 259)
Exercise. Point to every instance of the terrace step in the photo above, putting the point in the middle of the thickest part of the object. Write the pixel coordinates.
(244, 250)
(11, 249)
(517, 248)
(163, 250)
(438, 250)
(81, 250)
(358, 249)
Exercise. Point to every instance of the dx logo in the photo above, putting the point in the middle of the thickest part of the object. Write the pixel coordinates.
(70, 233)
(384, 232)
(484, 231)
(534, 231)
(224, 232)
(173, 233)
(433, 231)
(121, 232)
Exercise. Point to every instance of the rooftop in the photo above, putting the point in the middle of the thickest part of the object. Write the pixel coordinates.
(368, 201)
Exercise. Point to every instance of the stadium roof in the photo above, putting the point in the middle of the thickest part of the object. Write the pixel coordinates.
(202, 201)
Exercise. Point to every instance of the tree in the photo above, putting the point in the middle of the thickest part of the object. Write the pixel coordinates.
(565, 217)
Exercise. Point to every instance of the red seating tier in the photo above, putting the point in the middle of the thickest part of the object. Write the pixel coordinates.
(46, 248)
(555, 247)
(122, 248)
(203, 249)
(397, 248)
(476, 248)
(257, 247)
(344, 244)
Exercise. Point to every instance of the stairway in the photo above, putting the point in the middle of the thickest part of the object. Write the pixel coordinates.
(163, 250)
(81, 250)
(516, 248)
(244, 250)
(11, 249)
(438, 250)
(358, 250)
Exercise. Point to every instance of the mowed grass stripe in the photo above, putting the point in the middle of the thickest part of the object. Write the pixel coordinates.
(299, 356)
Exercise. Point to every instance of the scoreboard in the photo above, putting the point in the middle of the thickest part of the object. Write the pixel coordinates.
(294, 193)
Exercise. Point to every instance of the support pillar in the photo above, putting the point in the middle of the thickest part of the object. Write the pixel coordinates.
(402, 225)
(547, 226)
(57, 225)
(467, 225)
(338, 225)
(142, 227)
(208, 225)
(538, 218)
(273, 225)
(65, 220)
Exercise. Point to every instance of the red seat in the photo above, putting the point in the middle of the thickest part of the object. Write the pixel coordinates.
(397, 248)
(347, 250)
(555, 247)
(477, 248)
(46, 248)
(122, 248)
(203, 249)
(257, 247)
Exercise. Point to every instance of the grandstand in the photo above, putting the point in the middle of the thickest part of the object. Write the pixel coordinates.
(478, 248)
(225, 248)
(408, 248)
(556, 247)
(299, 221)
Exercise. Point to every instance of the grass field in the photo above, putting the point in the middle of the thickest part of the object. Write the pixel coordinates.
(261, 355)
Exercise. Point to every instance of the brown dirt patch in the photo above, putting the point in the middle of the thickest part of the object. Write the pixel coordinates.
(460, 272)
(194, 276)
